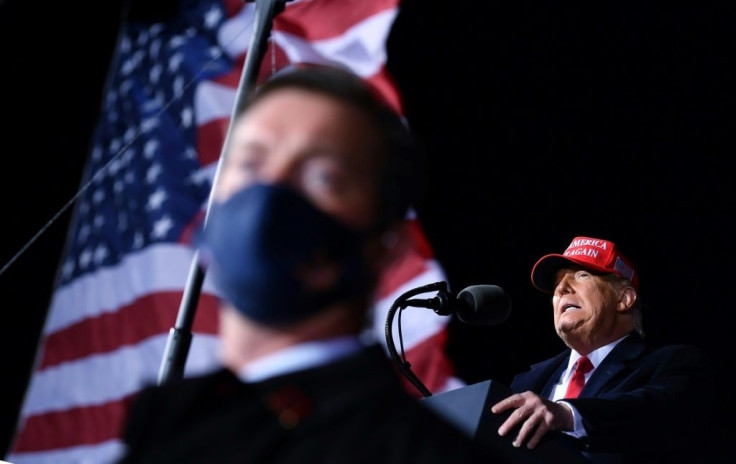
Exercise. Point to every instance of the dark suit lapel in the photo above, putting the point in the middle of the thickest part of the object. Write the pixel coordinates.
(618, 360)
(543, 376)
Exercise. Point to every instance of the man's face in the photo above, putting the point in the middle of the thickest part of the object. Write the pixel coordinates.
(319, 146)
(586, 309)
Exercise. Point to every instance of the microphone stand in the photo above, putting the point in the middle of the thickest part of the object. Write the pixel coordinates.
(401, 303)
(180, 336)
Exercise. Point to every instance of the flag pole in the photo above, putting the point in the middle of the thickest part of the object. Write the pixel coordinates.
(180, 336)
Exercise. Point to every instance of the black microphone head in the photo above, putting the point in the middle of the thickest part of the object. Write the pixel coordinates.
(483, 305)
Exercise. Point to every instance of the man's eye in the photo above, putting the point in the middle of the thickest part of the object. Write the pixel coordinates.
(248, 164)
(247, 157)
(317, 177)
(321, 175)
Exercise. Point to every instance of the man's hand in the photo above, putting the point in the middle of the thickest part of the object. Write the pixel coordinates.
(535, 415)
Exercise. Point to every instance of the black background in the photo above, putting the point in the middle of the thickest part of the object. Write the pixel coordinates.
(542, 121)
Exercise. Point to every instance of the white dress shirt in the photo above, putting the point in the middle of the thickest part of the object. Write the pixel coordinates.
(300, 357)
(558, 392)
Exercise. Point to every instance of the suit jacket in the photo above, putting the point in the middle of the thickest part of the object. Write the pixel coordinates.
(353, 410)
(640, 404)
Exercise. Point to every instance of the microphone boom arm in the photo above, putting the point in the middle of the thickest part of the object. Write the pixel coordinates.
(400, 304)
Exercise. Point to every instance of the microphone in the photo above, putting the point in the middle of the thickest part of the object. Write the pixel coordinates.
(477, 304)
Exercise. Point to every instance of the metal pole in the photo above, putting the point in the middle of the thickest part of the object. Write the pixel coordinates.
(180, 336)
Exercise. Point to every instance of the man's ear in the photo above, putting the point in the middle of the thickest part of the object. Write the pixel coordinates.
(383, 249)
(626, 299)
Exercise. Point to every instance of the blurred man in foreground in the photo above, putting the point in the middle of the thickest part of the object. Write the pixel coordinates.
(317, 175)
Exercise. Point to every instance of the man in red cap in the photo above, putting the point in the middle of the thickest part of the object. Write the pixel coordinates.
(619, 398)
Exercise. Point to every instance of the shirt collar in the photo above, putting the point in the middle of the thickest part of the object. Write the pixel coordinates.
(299, 357)
(596, 356)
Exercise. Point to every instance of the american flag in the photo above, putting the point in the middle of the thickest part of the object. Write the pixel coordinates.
(166, 109)
(625, 270)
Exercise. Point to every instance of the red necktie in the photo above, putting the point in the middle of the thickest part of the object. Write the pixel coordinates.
(582, 367)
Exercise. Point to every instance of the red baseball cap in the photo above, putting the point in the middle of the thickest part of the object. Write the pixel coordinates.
(594, 254)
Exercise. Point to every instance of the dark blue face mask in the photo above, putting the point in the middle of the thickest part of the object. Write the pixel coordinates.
(260, 244)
